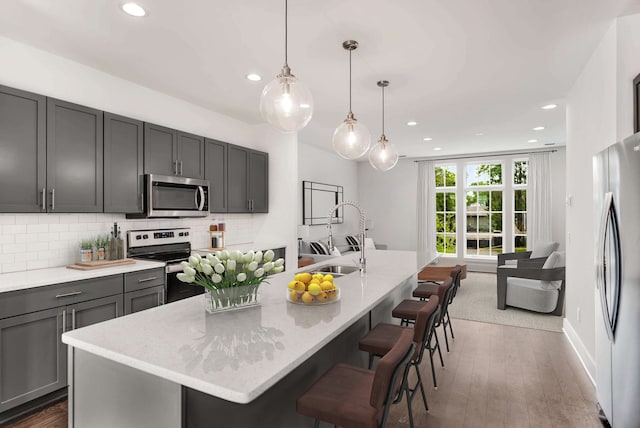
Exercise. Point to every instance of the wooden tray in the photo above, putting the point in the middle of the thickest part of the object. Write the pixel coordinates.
(100, 264)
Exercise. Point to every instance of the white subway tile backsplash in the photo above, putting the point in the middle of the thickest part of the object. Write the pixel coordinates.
(61, 227)
(14, 228)
(27, 219)
(50, 218)
(37, 228)
(39, 246)
(14, 248)
(7, 219)
(48, 236)
(7, 238)
(69, 219)
(7, 258)
(26, 238)
(37, 264)
(77, 227)
(14, 267)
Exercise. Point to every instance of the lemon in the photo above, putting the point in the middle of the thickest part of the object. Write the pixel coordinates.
(327, 285)
(300, 286)
(328, 277)
(304, 277)
(318, 276)
(314, 281)
(292, 285)
(314, 289)
(307, 298)
(293, 295)
(332, 294)
(322, 297)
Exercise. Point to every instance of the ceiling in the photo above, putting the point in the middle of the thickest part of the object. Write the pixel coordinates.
(459, 67)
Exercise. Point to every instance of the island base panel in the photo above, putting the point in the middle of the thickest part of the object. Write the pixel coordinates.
(106, 394)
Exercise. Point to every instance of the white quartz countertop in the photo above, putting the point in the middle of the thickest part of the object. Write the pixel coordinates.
(40, 277)
(238, 355)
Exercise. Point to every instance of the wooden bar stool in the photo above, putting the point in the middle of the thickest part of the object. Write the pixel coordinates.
(352, 397)
(383, 336)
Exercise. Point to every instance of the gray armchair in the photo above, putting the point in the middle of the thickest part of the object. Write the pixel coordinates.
(539, 289)
(532, 259)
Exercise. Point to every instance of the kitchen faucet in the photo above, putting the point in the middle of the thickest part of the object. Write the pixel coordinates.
(362, 264)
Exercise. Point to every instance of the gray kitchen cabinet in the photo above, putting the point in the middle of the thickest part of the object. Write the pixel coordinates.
(34, 359)
(171, 152)
(247, 180)
(136, 301)
(160, 150)
(23, 150)
(215, 170)
(74, 157)
(190, 155)
(123, 164)
(259, 181)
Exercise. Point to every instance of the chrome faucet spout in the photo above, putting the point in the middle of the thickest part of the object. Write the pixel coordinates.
(362, 263)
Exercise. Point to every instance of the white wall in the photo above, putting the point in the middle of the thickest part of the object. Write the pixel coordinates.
(591, 127)
(324, 166)
(45, 240)
(599, 113)
(558, 161)
(389, 198)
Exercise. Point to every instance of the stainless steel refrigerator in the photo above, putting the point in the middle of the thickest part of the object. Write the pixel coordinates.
(616, 173)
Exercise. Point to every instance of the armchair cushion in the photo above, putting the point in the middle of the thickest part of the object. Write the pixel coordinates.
(544, 249)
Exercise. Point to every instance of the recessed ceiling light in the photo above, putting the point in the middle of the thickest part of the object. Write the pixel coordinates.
(437, 148)
(532, 141)
(412, 123)
(549, 107)
(479, 134)
(427, 138)
(134, 9)
(254, 77)
(549, 144)
(538, 128)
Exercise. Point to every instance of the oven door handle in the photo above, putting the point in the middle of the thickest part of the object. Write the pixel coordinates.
(173, 268)
(200, 192)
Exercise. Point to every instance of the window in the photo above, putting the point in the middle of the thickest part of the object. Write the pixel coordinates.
(446, 209)
(483, 209)
(520, 174)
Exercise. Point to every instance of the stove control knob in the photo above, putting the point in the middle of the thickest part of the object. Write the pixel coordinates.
(138, 237)
(145, 236)
(180, 234)
(186, 234)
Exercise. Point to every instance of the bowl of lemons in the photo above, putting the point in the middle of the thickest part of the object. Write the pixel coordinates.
(312, 290)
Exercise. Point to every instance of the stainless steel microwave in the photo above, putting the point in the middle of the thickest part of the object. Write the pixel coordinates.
(167, 196)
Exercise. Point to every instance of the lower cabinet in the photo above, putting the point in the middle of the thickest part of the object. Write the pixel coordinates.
(136, 301)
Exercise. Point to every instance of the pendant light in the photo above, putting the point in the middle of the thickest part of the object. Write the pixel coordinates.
(383, 156)
(351, 139)
(286, 102)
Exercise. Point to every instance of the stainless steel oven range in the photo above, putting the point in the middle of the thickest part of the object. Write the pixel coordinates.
(171, 246)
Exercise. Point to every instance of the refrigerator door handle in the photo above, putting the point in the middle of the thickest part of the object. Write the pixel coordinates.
(609, 239)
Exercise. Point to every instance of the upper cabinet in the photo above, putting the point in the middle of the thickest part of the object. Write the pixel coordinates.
(74, 158)
(171, 152)
(23, 151)
(123, 163)
(247, 180)
(215, 155)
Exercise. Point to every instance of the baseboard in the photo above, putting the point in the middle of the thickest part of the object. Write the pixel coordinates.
(586, 359)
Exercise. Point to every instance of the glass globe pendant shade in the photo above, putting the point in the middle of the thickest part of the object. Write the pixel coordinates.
(286, 102)
(351, 139)
(383, 156)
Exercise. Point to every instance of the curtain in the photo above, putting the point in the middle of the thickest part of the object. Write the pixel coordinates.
(538, 199)
(426, 210)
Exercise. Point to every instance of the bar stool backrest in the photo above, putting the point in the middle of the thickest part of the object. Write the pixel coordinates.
(425, 319)
(456, 275)
(448, 292)
(389, 373)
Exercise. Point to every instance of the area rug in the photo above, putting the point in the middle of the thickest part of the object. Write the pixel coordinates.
(476, 301)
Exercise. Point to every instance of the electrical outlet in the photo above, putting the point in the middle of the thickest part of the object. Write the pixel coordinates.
(578, 314)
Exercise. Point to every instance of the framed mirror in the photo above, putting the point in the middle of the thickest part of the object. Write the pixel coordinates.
(318, 199)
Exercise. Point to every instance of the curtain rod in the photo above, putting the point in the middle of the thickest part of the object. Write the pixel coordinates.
(486, 155)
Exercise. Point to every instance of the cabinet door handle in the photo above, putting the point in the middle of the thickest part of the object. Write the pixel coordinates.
(151, 278)
(180, 167)
(175, 167)
(44, 199)
(53, 199)
(64, 320)
(73, 293)
(73, 319)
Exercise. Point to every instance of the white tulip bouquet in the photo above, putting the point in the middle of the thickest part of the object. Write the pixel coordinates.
(230, 278)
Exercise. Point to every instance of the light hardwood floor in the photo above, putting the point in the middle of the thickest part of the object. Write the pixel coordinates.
(494, 376)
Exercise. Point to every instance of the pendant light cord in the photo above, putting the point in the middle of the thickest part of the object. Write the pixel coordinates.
(286, 14)
(383, 110)
(350, 82)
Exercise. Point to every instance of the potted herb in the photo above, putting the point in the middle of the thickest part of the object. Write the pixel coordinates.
(85, 250)
(102, 241)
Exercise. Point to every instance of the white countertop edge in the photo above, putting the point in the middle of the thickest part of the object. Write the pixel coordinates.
(23, 280)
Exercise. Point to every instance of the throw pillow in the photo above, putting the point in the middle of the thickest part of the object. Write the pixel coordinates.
(354, 245)
(319, 247)
(543, 249)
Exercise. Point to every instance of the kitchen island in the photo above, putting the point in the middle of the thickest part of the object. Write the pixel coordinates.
(177, 366)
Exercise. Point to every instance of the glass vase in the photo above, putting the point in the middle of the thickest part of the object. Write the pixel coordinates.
(226, 299)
